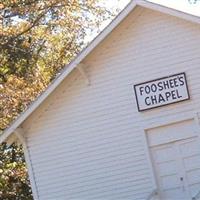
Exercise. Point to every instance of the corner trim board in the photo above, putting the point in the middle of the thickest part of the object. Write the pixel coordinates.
(19, 132)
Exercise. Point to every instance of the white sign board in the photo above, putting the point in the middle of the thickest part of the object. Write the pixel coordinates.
(161, 92)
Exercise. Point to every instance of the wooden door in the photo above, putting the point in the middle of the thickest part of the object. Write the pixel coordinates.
(177, 169)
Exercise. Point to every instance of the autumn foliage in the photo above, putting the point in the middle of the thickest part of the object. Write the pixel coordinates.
(37, 39)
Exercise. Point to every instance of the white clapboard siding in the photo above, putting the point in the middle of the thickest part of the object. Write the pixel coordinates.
(87, 142)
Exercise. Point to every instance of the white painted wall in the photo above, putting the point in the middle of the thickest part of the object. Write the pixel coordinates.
(87, 142)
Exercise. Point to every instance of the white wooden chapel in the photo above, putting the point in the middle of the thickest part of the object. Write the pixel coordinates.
(122, 119)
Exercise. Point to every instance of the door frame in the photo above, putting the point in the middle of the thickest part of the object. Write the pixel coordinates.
(146, 126)
(175, 145)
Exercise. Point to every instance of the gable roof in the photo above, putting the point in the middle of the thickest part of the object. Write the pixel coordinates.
(80, 57)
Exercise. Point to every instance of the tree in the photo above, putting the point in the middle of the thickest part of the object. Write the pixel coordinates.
(14, 183)
(36, 35)
(193, 1)
(37, 39)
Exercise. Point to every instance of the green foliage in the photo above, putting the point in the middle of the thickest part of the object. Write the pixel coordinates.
(193, 1)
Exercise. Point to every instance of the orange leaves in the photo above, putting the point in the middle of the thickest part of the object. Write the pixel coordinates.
(37, 39)
(14, 183)
(15, 96)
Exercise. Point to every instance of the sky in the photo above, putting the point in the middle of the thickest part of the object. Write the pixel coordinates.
(182, 5)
